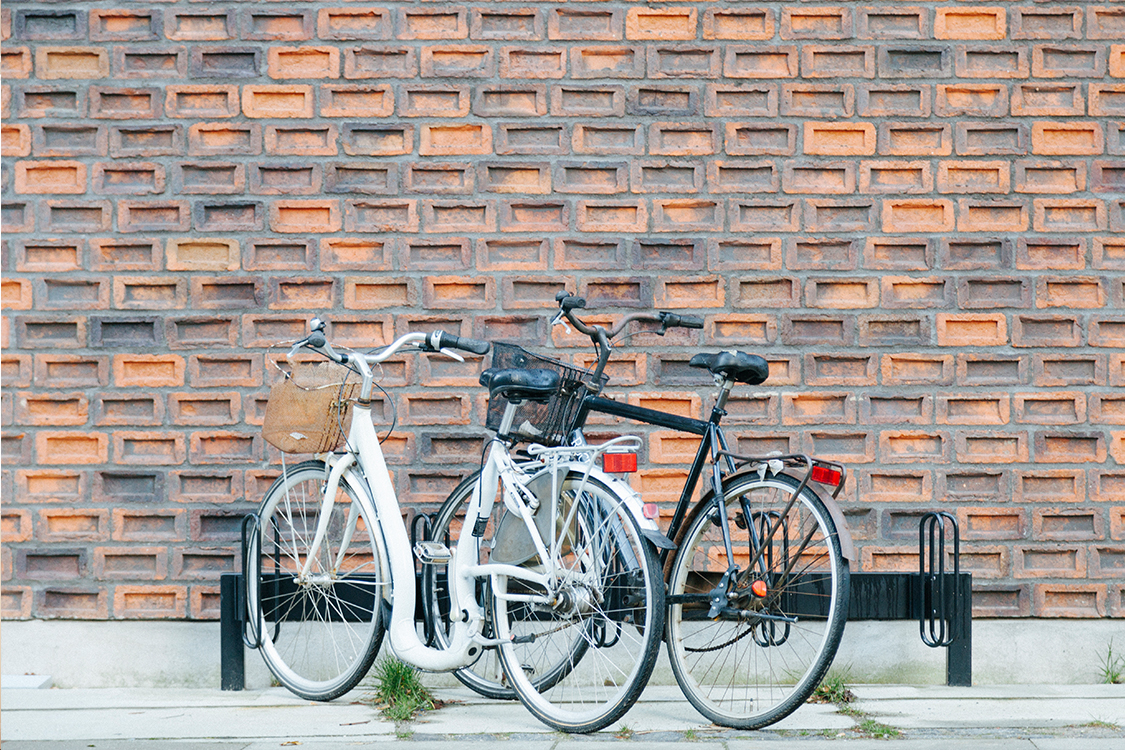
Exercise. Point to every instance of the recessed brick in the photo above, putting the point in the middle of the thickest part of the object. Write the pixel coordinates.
(743, 61)
(509, 23)
(304, 62)
(126, 104)
(1045, 22)
(148, 62)
(277, 25)
(125, 25)
(354, 23)
(741, 100)
(199, 26)
(380, 62)
(970, 23)
(749, 139)
(738, 23)
(992, 61)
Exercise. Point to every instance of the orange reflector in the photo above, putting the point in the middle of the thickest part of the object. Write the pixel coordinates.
(651, 511)
(826, 475)
(758, 588)
(617, 463)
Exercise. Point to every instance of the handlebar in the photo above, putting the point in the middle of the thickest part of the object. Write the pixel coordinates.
(601, 337)
(438, 341)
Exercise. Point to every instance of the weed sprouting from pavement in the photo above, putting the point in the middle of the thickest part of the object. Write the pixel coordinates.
(399, 690)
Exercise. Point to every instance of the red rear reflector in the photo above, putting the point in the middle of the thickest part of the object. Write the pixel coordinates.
(618, 463)
(651, 511)
(758, 588)
(826, 475)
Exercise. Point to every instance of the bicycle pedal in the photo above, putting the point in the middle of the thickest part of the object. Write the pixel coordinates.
(433, 553)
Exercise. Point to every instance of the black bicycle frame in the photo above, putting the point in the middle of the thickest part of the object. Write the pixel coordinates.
(713, 442)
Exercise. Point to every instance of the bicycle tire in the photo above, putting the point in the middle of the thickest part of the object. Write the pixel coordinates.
(618, 609)
(741, 669)
(319, 636)
(485, 676)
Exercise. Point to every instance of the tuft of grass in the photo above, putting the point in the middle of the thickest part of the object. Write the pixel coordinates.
(877, 730)
(624, 732)
(1099, 724)
(832, 689)
(399, 692)
(690, 735)
(1112, 667)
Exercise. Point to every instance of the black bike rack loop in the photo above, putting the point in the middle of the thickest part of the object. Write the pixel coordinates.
(938, 602)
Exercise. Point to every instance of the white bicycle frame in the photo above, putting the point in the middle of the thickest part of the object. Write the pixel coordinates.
(364, 451)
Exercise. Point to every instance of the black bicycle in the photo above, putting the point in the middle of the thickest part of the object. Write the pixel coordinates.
(757, 577)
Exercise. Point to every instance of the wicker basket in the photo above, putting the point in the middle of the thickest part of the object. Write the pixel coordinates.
(310, 410)
(549, 423)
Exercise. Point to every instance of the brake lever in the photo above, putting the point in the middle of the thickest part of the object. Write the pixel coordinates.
(560, 320)
(451, 354)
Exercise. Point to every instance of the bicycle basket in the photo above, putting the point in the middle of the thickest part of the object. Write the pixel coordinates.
(548, 423)
(310, 410)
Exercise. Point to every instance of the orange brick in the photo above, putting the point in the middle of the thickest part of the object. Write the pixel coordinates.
(965, 329)
(973, 177)
(1057, 138)
(354, 23)
(1068, 215)
(15, 62)
(201, 101)
(203, 254)
(661, 24)
(277, 101)
(907, 215)
(816, 23)
(470, 138)
(304, 62)
(63, 177)
(970, 23)
(53, 63)
(305, 216)
(843, 139)
(975, 215)
(1117, 60)
(356, 100)
(738, 23)
(57, 447)
(15, 140)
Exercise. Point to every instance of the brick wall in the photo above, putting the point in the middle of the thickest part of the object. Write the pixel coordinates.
(915, 211)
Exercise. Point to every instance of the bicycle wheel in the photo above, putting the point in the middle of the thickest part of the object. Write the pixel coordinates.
(486, 675)
(759, 658)
(320, 629)
(606, 591)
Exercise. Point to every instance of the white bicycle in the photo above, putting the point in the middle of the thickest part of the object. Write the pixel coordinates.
(568, 591)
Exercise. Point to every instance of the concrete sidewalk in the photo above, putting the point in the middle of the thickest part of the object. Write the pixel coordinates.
(1019, 717)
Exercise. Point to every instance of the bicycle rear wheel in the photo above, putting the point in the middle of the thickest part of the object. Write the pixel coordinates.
(606, 593)
(321, 629)
(759, 658)
(486, 675)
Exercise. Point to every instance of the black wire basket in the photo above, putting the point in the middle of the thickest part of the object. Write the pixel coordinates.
(548, 423)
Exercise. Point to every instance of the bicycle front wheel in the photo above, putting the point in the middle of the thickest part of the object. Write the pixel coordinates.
(321, 625)
(752, 656)
(486, 675)
(604, 591)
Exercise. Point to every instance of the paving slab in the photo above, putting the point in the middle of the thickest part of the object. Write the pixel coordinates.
(1020, 717)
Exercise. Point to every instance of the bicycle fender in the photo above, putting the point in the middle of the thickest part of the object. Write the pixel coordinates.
(847, 547)
(630, 498)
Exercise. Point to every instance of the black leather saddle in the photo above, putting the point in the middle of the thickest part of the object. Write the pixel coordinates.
(521, 385)
(738, 366)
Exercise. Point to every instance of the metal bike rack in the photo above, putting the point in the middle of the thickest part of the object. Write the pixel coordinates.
(938, 599)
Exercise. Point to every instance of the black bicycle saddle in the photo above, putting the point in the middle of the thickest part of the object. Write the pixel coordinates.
(520, 385)
(738, 366)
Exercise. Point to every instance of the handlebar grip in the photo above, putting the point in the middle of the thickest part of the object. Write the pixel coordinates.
(464, 344)
(571, 303)
(691, 321)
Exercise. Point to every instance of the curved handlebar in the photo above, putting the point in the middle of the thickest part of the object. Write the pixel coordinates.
(431, 342)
